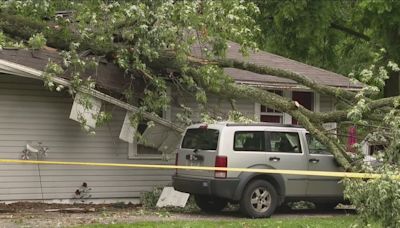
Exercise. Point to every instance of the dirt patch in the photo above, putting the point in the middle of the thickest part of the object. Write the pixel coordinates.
(24, 214)
(30, 215)
(28, 207)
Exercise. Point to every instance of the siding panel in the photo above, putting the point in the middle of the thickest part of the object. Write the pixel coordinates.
(29, 114)
(326, 103)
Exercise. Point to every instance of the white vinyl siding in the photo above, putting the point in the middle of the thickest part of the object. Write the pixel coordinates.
(326, 103)
(28, 114)
(215, 106)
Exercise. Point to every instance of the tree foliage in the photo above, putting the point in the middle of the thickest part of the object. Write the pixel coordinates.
(154, 40)
(342, 36)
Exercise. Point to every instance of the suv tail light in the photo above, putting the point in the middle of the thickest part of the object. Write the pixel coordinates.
(221, 161)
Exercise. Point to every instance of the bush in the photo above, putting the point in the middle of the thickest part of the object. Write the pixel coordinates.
(376, 199)
(149, 199)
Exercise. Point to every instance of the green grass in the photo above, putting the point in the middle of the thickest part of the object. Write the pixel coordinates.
(309, 222)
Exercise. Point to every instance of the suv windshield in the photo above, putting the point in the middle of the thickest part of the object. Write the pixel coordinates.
(201, 138)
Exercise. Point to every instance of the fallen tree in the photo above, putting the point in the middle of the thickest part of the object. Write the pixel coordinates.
(155, 41)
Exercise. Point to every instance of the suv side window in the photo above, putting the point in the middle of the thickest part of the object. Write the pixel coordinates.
(315, 146)
(287, 142)
(249, 141)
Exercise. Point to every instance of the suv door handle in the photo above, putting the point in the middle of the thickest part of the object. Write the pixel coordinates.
(274, 159)
(313, 160)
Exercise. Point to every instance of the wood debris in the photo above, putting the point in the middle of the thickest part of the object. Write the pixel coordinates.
(72, 210)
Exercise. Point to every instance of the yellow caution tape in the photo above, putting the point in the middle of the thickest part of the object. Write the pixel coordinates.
(250, 170)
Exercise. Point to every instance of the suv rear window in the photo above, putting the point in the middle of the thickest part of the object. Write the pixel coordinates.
(249, 141)
(201, 138)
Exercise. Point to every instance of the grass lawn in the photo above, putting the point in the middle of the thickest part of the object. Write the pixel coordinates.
(309, 222)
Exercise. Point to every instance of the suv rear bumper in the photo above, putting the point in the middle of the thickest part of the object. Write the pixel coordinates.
(224, 188)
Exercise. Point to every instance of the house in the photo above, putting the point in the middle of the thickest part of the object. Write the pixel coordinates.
(32, 116)
(284, 87)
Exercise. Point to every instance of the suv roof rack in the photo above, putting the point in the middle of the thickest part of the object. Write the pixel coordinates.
(263, 124)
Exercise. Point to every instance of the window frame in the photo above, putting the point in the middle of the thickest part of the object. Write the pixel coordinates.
(273, 112)
(216, 148)
(308, 147)
(301, 148)
(133, 149)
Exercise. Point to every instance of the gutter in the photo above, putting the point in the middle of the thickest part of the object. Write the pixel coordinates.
(289, 86)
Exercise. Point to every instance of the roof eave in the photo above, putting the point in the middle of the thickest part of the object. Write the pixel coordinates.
(289, 86)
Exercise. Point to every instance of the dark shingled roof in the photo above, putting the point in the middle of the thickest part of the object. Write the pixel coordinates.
(263, 58)
(262, 80)
(110, 77)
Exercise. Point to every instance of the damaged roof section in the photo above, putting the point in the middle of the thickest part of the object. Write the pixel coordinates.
(108, 76)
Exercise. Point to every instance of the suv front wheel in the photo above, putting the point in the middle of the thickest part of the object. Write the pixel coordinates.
(259, 199)
(209, 203)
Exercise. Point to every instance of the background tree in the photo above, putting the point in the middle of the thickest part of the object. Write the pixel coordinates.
(341, 35)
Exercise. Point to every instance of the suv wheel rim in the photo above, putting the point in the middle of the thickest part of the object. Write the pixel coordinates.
(260, 199)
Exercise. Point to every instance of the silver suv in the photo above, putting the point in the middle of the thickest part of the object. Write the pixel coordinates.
(258, 146)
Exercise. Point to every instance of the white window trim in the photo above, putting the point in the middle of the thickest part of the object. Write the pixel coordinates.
(272, 113)
(133, 147)
(286, 118)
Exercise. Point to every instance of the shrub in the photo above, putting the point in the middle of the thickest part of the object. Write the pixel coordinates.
(149, 199)
(376, 199)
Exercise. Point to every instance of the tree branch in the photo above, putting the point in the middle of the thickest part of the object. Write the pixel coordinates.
(322, 89)
(350, 31)
(283, 104)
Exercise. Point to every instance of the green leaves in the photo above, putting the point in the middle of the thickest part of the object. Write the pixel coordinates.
(37, 41)
(3, 40)
(376, 199)
(52, 70)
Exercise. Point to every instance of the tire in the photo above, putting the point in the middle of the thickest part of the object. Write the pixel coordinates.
(259, 199)
(210, 204)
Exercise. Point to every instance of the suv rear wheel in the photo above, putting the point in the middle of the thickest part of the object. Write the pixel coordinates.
(209, 203)
(259, 199)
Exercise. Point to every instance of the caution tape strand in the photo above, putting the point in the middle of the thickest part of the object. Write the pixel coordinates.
(252, 170)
